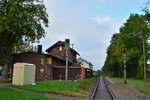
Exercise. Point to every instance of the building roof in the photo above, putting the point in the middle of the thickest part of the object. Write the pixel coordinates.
(60, 43)
(47, 55)
(81, 59)
(29, 52)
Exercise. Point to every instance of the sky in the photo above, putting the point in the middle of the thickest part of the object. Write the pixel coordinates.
(89, 24)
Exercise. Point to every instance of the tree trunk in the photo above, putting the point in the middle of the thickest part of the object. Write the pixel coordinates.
(5, 68)
(5, 55)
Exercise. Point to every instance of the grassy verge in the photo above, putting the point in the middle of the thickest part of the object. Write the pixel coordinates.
(8, 94)
(77, 89)
(141, 85)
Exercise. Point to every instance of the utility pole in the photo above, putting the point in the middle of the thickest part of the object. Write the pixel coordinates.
(72, 67)
(67, 45)
(144, 58)
(124, 50)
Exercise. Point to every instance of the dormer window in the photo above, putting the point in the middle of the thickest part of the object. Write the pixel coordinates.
(82, 64)
(60, 48)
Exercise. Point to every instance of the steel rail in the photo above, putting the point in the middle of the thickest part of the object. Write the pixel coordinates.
(96, 87)
(110, 91)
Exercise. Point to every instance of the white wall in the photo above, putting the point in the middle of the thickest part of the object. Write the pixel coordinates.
(84, 64)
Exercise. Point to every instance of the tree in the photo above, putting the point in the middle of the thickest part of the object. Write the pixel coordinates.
(132, 35)
(129, 37)
(23, 47)
(98, 73)
(20, 20)
(111, 64)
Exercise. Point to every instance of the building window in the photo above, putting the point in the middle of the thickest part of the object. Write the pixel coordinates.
(42, 61)
(60, 48)
(82, 64)
(49, 60)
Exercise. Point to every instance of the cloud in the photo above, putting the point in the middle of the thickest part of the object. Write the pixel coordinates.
(89, 25)
(103, 19)
(90, 39)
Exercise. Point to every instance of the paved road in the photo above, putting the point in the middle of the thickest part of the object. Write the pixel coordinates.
(4, 84)
(102, 92)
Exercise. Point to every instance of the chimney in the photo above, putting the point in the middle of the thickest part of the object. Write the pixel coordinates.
(67, 44)
(39, 48)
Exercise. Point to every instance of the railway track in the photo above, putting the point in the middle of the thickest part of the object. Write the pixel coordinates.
(102, 91)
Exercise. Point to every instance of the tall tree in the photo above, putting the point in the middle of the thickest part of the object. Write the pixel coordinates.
(20, 20)
(130, 36)
(111, 63)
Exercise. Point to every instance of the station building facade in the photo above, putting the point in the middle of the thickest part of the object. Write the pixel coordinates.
(51, 65)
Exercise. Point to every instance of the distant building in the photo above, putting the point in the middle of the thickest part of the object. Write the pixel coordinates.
(87, 65)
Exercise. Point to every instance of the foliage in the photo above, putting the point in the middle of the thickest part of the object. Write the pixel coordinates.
(20, 21)
(98, 73)
(131, 36)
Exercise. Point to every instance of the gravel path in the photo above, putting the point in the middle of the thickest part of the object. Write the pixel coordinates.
(123, 91)
(4, 84)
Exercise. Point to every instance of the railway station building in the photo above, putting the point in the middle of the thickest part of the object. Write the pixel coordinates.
(51, 65)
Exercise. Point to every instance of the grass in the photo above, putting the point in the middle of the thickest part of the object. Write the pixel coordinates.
(77, 89)
(9, 94)
(141, 85)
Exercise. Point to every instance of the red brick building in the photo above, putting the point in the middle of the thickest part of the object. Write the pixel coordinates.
(58, 50)
(40, 60)
(52, 65)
